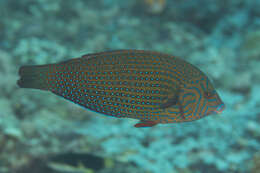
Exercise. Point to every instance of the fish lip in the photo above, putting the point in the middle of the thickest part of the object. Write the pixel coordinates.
(220, 108)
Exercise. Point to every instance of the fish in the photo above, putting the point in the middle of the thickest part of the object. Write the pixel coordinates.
(153, 87)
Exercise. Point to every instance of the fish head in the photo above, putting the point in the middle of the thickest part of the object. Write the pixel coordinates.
(210, 101)
(201, 99)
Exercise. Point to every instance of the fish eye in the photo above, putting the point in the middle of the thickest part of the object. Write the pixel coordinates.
(208, 94)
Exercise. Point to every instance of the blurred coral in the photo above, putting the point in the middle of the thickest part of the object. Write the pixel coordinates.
(250, 46)
(39, 51)
(256, 163)
(155, 6)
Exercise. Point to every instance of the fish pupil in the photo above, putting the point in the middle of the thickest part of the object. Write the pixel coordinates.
(208, 94)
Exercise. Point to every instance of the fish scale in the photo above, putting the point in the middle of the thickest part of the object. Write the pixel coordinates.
(146, 85)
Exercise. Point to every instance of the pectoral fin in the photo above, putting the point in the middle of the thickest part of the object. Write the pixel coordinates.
(181, 110)
(146, 124)
(173, 101)
(170, 102)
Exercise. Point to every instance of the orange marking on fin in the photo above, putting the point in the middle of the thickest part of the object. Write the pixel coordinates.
(146, 124)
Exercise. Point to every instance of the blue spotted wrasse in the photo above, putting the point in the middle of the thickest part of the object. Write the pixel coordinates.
(146, 85)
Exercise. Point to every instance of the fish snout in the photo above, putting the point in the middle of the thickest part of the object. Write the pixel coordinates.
(220, 108)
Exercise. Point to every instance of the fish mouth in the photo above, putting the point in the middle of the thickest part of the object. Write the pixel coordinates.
(220, 108)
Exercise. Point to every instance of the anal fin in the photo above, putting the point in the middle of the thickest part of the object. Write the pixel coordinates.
(146, 124)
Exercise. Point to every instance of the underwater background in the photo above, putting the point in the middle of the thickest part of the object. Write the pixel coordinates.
(43, 133)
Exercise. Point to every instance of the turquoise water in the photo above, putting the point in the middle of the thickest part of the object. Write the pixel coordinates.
(43, 133)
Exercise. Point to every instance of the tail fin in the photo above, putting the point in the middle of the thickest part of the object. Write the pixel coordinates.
(33, 77)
